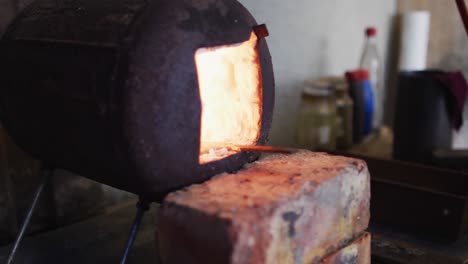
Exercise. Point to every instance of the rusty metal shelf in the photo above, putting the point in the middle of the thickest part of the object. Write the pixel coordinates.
(423, 200)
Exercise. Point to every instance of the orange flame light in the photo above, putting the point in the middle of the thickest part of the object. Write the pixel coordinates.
(229, 81)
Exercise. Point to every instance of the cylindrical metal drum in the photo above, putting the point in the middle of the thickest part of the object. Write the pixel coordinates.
(109, 89)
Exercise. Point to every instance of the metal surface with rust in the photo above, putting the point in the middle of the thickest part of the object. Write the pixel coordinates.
(394, 246)
(423, 200)
(293, 208)
(357, 252)
(108, 89)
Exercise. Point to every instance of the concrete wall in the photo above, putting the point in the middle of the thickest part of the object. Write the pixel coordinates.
(310, 38)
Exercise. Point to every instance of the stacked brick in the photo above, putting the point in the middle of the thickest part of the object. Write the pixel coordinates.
(296, 208)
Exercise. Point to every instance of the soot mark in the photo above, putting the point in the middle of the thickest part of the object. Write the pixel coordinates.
(291, 218)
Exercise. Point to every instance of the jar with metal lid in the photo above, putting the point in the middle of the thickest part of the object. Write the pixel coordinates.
(316, 128)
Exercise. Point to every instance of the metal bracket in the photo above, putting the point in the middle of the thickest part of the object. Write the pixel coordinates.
(143, 205)
(261, 31)
(48, 172)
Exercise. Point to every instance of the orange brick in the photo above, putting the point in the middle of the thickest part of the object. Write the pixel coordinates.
(293, 208)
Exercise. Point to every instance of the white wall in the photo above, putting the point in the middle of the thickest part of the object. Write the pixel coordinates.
(310, 38)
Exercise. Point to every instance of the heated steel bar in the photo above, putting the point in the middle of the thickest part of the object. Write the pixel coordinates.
(47, 174)
(259, 148)
(246, 148)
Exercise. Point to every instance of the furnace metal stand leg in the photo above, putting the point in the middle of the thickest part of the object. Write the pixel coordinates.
(142, 206)
(24, 226)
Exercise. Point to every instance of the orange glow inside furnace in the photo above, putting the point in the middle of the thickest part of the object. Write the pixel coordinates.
(230, 87)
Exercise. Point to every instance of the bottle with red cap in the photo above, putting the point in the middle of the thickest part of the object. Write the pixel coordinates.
(370, 61)
(361, 91)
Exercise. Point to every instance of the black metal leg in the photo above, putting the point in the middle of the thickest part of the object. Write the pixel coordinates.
(24, 226)
(142, 206)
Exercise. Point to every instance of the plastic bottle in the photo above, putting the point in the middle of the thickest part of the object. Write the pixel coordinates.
(370, 61)
(361, 91)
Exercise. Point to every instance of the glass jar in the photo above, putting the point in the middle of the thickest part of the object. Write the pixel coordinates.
(344, 108)
(316, 128)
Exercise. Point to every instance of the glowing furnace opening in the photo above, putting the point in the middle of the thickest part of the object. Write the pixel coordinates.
(230, 86)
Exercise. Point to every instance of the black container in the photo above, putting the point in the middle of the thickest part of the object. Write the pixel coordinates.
(422, 120)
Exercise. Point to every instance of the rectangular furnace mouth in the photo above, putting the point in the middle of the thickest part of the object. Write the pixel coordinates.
(230, 86)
